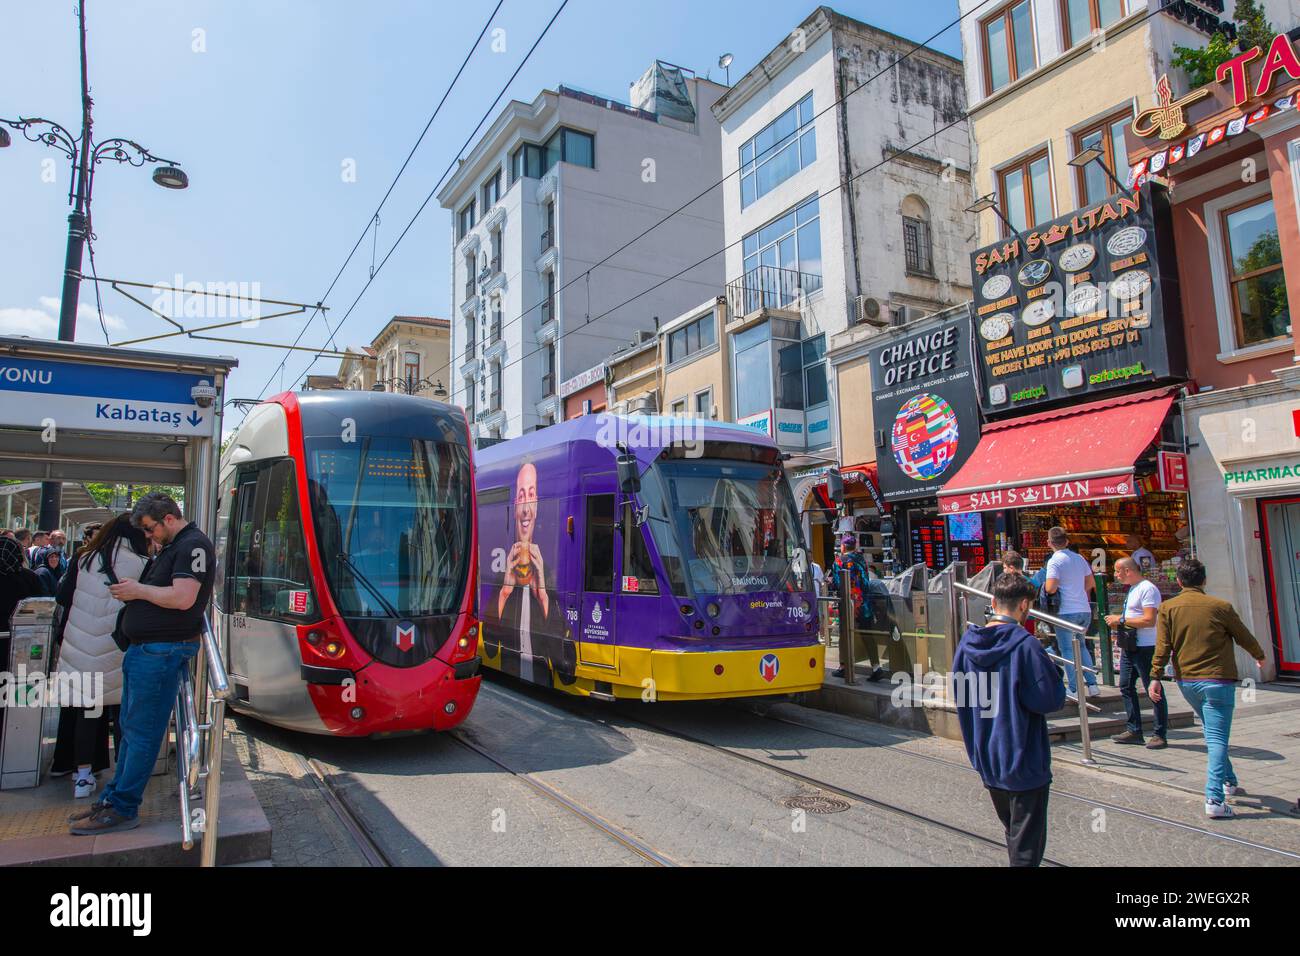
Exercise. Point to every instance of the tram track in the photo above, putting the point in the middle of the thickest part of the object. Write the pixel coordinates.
(572, 708)
(351, 821)
(1056, 791)
(590, 817)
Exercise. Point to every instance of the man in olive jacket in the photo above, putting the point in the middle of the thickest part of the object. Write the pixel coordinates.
(1199, 631)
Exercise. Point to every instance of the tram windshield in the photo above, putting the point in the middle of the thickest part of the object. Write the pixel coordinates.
(727, 527)
(393, 521)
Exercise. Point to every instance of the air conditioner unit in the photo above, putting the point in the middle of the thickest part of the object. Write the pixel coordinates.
(642, 405)
(868, 310)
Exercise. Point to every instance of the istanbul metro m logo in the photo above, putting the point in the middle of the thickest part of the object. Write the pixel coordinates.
(769, 667)
(404, 635)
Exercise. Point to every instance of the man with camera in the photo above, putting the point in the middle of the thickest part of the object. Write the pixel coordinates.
(1135, 630)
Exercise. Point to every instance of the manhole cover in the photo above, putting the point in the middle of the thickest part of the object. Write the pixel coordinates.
(815, 803)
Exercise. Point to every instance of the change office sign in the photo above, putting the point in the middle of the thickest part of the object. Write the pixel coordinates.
(1083, 304)
(923, 404)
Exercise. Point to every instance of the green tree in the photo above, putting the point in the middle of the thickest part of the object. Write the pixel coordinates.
(1200, 63)
(1253, 28)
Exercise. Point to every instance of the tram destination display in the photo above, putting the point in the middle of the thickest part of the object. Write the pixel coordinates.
(923, 391)
(1085, 303)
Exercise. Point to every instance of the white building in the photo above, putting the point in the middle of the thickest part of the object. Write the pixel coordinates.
(552, 188)
(890, 245)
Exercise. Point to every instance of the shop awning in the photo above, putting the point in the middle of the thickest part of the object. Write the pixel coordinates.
(1083, 453)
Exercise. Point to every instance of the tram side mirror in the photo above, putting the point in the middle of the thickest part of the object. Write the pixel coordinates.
(835, 485)
(629, 474)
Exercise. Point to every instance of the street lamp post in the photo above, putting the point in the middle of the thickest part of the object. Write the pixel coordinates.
(85, 155)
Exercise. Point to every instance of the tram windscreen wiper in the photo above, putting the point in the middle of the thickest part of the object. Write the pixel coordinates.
(358, 576)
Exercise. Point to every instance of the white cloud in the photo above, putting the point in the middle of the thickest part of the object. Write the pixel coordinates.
(43, 323)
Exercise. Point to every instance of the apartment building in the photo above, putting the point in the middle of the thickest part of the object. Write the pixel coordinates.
(836, 101)
(410, 354)
(551, 189)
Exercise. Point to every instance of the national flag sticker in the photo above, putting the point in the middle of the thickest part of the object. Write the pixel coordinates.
(769, 667)
(404, 635)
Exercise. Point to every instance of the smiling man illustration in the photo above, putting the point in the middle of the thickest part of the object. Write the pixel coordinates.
(523, 604)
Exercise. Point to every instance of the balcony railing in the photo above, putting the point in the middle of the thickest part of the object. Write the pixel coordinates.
(769, 287)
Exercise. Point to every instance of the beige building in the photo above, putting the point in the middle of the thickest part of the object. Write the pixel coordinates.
(634, 373)
(696, 376)
(357, 370)
(411, 353)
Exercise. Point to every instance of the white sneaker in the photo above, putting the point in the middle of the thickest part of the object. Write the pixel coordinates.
(1232, 790)
(1094, 690)
(1217, 811)
(83, 787)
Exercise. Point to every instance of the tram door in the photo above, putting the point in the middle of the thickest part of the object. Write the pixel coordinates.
(594, 631)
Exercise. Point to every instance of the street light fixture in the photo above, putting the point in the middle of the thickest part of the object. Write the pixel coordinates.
(724, 61)
(1092, 154)
(990, 202)
(171, 177)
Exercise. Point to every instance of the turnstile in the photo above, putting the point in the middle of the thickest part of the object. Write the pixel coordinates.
(30, 647)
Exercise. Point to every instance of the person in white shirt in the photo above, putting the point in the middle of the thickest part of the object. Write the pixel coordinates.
(1138, 551)
(1141, 606)
(819, 579)
(1070, 575)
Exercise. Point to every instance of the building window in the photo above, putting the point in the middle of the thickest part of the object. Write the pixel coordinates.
(465, 221)
(548, 237)
(1008, 44)
(495, 331)
(411, 370)
(679, 408)
(527, 161)
(1025, 192)
(496, 250)
(778, 151)
(494, 397)
(1082, 18)
(704, 403)
(814, 372)
(548, 379)
(917, 248)
(691, 338)
(548, 304)
(1108, 136)
(783, 259)
(492, 191)
(1256, 282)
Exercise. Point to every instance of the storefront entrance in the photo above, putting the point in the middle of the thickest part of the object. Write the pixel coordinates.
(1280, 523)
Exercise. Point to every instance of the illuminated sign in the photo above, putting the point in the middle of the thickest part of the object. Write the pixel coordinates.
(1166, 117)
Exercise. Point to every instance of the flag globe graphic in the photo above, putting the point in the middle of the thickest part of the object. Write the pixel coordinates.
(924, 438)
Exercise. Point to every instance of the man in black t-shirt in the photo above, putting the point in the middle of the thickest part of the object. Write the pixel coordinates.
(163, 619)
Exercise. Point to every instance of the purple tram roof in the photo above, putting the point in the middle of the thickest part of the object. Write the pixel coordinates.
(651, 434)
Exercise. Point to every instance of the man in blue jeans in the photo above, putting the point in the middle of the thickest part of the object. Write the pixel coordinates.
(1198, 632)
(163, 620)
(1070, 576)
(1141, 604)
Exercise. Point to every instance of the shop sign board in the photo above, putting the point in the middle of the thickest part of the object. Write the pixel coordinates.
(1173, 471)
(923, 402)
(1072, 491)
(762, 422)
(1084, 304)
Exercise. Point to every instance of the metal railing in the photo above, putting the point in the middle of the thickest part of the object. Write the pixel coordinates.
(769, 287)
(1078, 632)
(199, 745)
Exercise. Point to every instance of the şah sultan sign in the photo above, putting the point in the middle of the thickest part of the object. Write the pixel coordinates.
(1083, 304)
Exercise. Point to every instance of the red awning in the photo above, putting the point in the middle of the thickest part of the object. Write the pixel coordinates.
(1074, 454)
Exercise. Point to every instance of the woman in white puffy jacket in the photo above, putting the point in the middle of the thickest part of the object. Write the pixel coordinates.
(90, 664)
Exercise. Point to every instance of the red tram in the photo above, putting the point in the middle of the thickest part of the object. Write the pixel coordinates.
(347, 555)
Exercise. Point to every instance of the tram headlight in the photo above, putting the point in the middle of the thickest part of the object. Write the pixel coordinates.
(334, 648)
(713, 609)
(314, 638)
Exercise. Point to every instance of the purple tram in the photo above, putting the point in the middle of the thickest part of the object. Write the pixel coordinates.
(645, 557)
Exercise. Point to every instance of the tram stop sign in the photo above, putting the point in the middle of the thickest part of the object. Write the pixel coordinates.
(78, 396)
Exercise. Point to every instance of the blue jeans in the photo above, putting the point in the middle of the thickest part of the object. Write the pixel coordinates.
(1132, 666)
(1065, 639)
(1213, 703)
(151, 675)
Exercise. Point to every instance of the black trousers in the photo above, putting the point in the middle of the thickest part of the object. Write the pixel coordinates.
(84, 740)
(1024, 816)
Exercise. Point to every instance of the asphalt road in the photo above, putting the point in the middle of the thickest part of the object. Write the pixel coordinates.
(537, 779)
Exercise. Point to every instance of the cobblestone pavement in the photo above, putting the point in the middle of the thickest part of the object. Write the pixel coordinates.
(430, 800)
(1264, 747)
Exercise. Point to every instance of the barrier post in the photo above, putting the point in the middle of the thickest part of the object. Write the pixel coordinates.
(1081, 695)
(846, 628)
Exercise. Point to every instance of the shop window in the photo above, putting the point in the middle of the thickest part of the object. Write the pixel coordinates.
(1025, 192)
(1108, 136)
(1256, 281)
(1007, 41)
(1081, 18)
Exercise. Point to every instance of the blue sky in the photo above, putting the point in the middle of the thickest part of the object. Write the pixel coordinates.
(265, 117)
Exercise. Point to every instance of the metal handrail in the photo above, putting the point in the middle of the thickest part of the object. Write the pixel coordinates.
(1078, 632)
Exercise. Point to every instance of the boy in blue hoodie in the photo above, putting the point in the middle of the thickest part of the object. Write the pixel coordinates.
(1004, 686)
